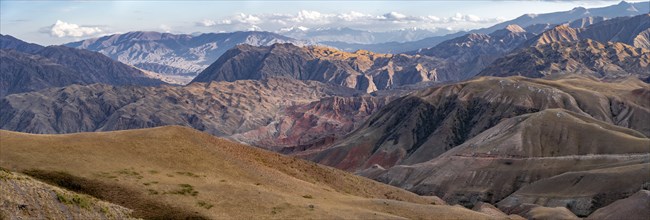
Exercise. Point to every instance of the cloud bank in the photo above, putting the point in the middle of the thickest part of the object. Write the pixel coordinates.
(64, 29)
(353, 19)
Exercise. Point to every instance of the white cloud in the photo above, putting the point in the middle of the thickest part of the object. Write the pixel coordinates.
(394, 16)
(247, 19)
(353, 15)
(254, 28)
(373, 22)
(305, 15)
(207, 23)
(64, 29)
(165, 28)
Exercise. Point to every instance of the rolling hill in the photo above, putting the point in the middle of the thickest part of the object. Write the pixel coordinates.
(177, 172)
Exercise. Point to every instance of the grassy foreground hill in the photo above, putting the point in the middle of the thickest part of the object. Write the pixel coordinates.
(178, 172)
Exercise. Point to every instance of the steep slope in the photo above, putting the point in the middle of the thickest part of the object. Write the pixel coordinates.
(528, 159)
(172, 54)
(421, 126)
(157, 172)
(28, 67)
(588, 57)
(628, 30)
(219, 108)
(23, 197)
(361, 70)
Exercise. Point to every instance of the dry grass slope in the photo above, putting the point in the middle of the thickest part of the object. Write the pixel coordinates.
(192, 174)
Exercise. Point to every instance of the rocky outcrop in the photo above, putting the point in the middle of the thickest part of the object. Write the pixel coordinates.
(361, 70)
(588, 57)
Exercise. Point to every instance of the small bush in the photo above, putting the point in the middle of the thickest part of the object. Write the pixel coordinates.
(186, 189)
(205, 204)
(307, 197)
(190, 174)
(81, 201)
(152, 192)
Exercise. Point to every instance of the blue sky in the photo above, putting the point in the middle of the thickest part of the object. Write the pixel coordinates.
(56, 22)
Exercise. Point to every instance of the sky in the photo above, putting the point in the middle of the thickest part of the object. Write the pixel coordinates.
(57, 22)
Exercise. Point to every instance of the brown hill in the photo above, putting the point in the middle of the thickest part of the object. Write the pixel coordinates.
(634, 207)
(582, 192)
(177, 172)
(551, 158)
(421, 126)
(588, 57)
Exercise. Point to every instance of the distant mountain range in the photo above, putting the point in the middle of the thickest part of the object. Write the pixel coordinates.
(175, 54)
(184, 56)
(534, 23)
(30, 67)
(467, 55)
(623, 9)
(455, 59)
(633, 31)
